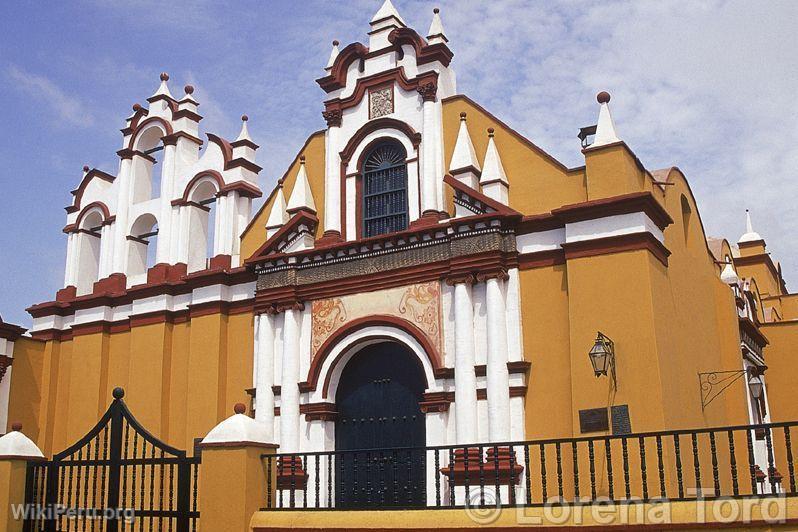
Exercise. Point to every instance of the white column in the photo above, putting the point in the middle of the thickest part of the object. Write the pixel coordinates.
(264, 360)
(498, 377)
(69, 270)
(289, 386)
(122, 207)
(465, 379)
(332, 178)
(429, 198)
(218, 225)
(165, 232)
(106, 251)
(181, 238)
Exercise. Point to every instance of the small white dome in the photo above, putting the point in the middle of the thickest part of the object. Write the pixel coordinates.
(238, 428)
(16, 444)
(750, 235)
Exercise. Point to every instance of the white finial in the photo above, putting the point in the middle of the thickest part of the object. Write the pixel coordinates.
(333, 55)
(728, 275)
(387, 11)
(750, 235)
(278, 215)
(605, 128)
(464, 154)
(189, 90)
(163, 88)
(436, 33)
(301, 197)
(244, 135)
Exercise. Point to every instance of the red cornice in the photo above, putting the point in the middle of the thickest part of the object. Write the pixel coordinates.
(165, 285)
(541, 259)
(267, 250)
(10, 332)
(617, 244)
(171, 140)
(478, 195)
(78, 192)
(425, 53)
(624, 204)
(396, 75)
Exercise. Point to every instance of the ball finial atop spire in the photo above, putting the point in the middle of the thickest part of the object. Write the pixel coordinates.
(85, 168)
(463, 115)
(189, 89)
(164, 76)
(136, 107)
(244, 118)
(436, 10)
(240, 408)
(16, 426)
(491, 131)
(336, 43)
(603, 97)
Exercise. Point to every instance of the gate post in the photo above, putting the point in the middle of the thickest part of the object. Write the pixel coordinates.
(233, 475)
(16, 450)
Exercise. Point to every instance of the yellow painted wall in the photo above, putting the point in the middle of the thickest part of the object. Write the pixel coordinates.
(180, 379)
(538, 182)
(781, 378)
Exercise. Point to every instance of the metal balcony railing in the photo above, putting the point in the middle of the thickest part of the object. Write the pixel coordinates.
(737, 461)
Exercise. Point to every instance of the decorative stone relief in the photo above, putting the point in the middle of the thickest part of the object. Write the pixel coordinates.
(380, 102)
(327, 315)
(420, 304)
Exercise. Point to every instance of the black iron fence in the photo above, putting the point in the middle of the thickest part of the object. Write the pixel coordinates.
(118, 477)
(737, 461)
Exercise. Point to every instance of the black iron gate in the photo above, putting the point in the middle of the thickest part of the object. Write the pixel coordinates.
(117, 477)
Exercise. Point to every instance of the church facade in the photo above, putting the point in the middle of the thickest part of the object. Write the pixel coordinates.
(422, 275)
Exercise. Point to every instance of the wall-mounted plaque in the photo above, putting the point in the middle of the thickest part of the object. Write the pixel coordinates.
(593, 420)
(621, 424)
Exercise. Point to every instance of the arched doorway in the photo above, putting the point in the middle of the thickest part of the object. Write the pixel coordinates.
(379, 420)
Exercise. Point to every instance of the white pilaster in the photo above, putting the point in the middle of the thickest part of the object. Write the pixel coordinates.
(465, 379)
(69, 271)
(289, 387)
(264, 360)
(123, 202)
(498, 377)
(106, 250)
(166, 193)
(429, 164)
(332, 181)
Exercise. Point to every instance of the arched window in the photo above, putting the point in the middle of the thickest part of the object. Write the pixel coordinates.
(202, 225)
(385, 189)
(88, 249)
(142, 246)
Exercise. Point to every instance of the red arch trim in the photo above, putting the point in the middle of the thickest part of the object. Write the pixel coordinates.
(213, 174)
(153, 119)
(376, 125)
(99, 204)
(361, 323)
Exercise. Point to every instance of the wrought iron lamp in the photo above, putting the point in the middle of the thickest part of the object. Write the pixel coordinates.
(715, 383)
(602, 357)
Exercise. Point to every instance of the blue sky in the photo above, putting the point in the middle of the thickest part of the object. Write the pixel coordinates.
(708, 86)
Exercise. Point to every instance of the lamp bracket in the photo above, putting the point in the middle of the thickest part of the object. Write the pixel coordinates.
(714, 383)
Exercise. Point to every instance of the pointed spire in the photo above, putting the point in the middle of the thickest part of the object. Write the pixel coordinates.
(436, 34)
(333, 55)
(494, 180)
(301, 197)
(163, 88)
(387, 11)
(750, 235)
(605, 128)
(244, 135)
(493, 170)
(464, 165)
(278, 215)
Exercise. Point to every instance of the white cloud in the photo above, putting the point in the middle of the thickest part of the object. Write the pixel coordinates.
(67, 108)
